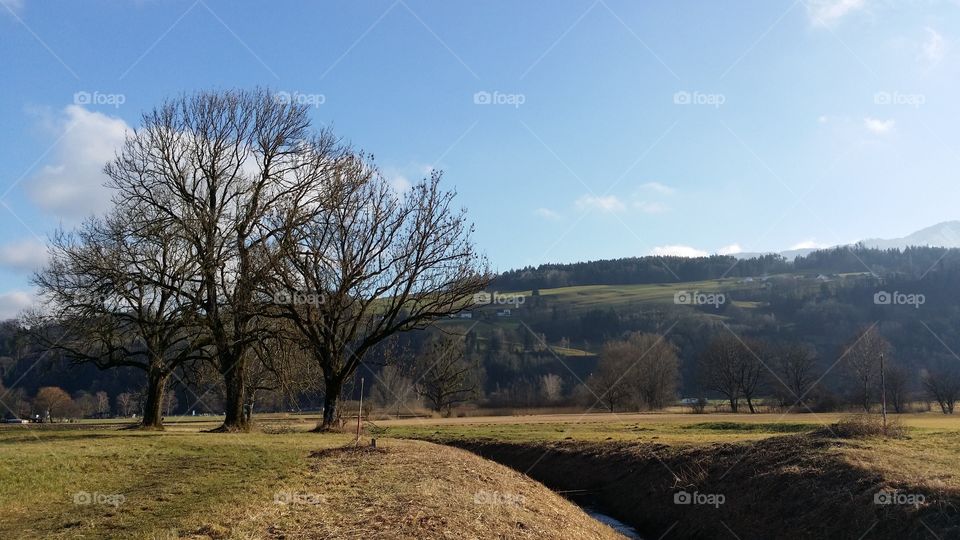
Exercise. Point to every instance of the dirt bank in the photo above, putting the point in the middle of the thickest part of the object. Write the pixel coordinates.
(794, 486)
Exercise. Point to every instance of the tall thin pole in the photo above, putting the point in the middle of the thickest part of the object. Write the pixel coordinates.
(883, 395)
(360, 411)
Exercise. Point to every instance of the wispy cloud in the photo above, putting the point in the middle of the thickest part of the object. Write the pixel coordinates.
(933, 48)
(678, 251)
(12, 303)
(24, 256)
(601, 203)
(648, 207)
(547, 213)
(657, 187)
(732, 249)
(829, 12)
(880, 127)
(808, 244)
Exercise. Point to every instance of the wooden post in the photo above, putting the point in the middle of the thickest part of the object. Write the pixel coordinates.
(883, 396)
(360, 412)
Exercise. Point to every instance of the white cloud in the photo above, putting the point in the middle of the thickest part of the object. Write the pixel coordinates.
(732, 249)
(823, 119)
(14, 302)
(677, 251)
(933, 48)
(650, 207)
(657, 187)
(608, 203)
(547, 213)
(808, 244)
(829, 12)
(71, 187)
(24, 256)
(400, 183)
(880, 127)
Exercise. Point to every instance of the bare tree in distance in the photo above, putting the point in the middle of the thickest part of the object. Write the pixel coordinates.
(226, 171)
(862, 360)
(720, 370)
(649, 366)
(796, 365)
(369, 263)
(446, 377)
(942, 384)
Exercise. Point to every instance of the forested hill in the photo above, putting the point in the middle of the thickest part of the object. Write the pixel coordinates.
(912, 262)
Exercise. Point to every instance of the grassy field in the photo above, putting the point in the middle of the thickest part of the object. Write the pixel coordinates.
(927, 456)
(79, 480)
(95, 480)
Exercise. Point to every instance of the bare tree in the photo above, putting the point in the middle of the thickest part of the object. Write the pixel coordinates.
(862, 359)
(446, 377)
(393, 389)
(898, 387)
(115, 296)
(719, 369)
(649, 366)
(368, 263)
(52, 402)
(224, 171)
(942, 384)
(103, 404)
(796, 366)
(126, 403)
(607, 385)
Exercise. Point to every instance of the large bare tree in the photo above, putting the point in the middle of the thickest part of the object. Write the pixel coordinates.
(368, 263)
(114, 292)
(227, 171)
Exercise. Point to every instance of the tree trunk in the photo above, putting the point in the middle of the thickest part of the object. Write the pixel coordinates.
(734, 405)
(235, 419)
(156, 383)
(331, 396)
(750, 405)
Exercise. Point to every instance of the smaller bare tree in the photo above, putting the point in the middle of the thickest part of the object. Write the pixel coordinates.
(446, 377)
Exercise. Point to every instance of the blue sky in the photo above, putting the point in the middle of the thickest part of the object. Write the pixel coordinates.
(572, 130)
